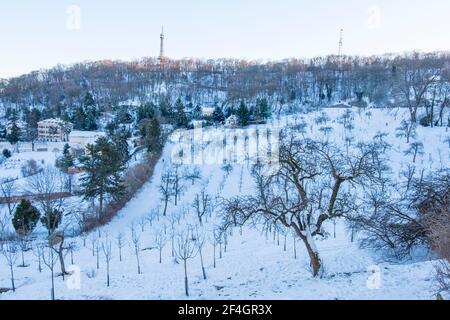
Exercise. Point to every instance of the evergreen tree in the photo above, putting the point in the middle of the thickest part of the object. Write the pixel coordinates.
(120, 139)
(103, 166)
(197, 113)
(6, 153)
(145, 111)
(111, 127)
(218, 116)
(25, 218)
(151, 135)
(180, 117)
(91, 112)
(124, 116)
(90, 123)
(79, 119)
(60, 107)
(67, 160)
(51, 220)
(88, 100)
(166, 110)
(14, 133)
(262, 108)
(243, 114)
(230, 111)
(31, 118)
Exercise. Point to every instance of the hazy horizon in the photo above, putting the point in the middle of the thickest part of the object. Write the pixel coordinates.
(40, 36)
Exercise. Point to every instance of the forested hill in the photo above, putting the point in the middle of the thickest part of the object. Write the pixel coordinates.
(378, 80)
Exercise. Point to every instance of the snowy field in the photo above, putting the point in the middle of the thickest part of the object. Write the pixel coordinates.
(250, 264)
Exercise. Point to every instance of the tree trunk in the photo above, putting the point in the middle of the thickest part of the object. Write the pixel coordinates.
(165, 207)
(100, 209)
(203, 267)
(316, 263)
(214, 246)
(61, 259)
(186, 286)
(107, 274)
(52, 292)
(138, 264)
(295, 249)
(12, 278)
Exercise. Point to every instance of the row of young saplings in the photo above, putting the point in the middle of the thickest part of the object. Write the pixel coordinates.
(184, 246)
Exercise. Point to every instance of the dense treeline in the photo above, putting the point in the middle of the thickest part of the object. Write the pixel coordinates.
(407, 80)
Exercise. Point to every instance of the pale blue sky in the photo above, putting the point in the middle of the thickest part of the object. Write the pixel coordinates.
(34, 33)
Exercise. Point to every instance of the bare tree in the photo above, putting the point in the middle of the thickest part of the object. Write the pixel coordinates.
(23, 242)
(4, 225)
(416, 76)
(415, 149)
(143, 223)
(71, 248)
(151, 216)
(56, 242)
(399, 222)
(193, 175)
(200, 240)
(120, 242)
(406, 130)
(177, 183)
(38, 251)
(107, 253)
(186, 249)
(202, 205)
(218, 240)
(160, 241)
(49, 184)
(7, 188)
(136, 246)
(290, 194)
(93, 244)
(49, 258)
(9, 251)
(166, 190)
(84, 237)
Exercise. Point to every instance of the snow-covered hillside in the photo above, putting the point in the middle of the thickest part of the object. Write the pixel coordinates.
(250, 263)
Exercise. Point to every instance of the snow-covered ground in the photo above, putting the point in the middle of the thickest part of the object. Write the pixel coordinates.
(255, 265)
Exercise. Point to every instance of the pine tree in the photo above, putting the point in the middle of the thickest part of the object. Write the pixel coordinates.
(243, 114)
(88, 100)
(197, 113)
(14, 132)
(123, 115)
(79, 119)
(180, 117)
(151, 135)
(103, 166)
(51, 220)
(25, 218)
(31, 118)
(120, 138)
(166, 110)
(145, 111)
(6, 153)
(218, 116)
(90, 123)
(263, 109)
(67, 160)
(91, 112)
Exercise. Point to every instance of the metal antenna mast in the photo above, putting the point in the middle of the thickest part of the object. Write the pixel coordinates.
(341, 42)
(161, 51)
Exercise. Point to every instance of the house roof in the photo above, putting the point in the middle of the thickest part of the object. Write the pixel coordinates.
(86, 134)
